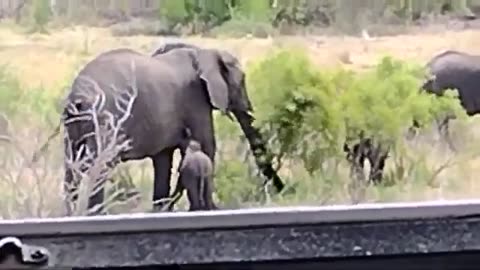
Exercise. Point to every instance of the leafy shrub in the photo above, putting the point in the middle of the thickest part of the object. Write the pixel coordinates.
(41, 14)
(139, 26)
(10, 91)
(236, 174)
(241, 26)
(308, 113)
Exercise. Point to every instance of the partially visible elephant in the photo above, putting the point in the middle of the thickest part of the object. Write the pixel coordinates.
(178, 87)
(455, 70)
(196, 176)
(367, 149)
(448, 70)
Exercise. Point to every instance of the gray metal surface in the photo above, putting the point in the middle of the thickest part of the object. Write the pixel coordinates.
(258, 244)
(255, 217)
(254, 235)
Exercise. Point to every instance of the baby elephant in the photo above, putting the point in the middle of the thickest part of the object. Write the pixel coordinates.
(196, 176)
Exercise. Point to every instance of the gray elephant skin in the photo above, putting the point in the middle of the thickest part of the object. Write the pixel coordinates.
(178, 86)
(455, 70)
(196, 176)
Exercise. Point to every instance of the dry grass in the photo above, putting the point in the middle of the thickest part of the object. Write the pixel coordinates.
(49, 60)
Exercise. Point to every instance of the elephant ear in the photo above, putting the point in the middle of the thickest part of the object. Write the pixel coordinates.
(232, 67)
(210, 68)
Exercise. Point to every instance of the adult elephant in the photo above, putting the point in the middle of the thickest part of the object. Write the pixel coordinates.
(177, 87)
(448, 70)
(455, 70)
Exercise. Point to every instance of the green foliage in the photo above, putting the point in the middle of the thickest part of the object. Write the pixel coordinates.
(41, 14)
(236, 186)
(234, 178)
(36, 104)
(242, 26)
(307, 113)
(174, 11)
(256, 10)
(10, 92)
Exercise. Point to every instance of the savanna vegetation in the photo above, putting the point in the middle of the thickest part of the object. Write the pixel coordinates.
(310, 93)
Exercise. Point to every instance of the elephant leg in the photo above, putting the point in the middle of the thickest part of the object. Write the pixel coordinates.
(204, 133)
(443, 129)
(357, 161)
(177, 193)
(193, 195)
(70, 189)
(207, 195)
(377, 166)
(358, 167)
(162, 167)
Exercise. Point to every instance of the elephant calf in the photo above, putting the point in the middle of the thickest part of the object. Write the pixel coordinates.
(196, 176)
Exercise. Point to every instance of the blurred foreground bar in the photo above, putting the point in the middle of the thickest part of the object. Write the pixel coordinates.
(427, 235)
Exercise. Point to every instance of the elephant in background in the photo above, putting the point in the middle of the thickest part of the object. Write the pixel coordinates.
(455, 70)
(177, 87)
(449, 70)
(367, 149)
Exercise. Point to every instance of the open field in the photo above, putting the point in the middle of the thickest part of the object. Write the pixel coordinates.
(58, 52)
(51, 60)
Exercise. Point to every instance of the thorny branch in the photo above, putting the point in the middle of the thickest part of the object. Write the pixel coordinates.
(91, 167)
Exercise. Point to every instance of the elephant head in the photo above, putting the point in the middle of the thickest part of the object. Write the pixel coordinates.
(76, 144)
(224, 81)
(85, 135)
(221, 74)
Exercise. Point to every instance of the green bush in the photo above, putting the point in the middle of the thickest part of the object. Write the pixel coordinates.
(10, 92)
(41, 14)
(236, 177)
(307, 113)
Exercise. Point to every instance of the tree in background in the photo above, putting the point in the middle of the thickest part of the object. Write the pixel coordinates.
(41, 15)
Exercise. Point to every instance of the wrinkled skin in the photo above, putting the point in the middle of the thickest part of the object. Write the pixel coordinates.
(178, 87)
(196, 176)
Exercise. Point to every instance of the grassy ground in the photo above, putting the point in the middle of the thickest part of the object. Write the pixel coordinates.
(49, 60)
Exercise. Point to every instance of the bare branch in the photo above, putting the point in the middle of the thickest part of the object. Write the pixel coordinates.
(92, 167)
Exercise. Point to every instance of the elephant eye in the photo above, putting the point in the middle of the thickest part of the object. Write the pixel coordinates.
(78, 106)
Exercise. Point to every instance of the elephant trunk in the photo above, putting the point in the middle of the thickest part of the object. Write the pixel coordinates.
(258, 147)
